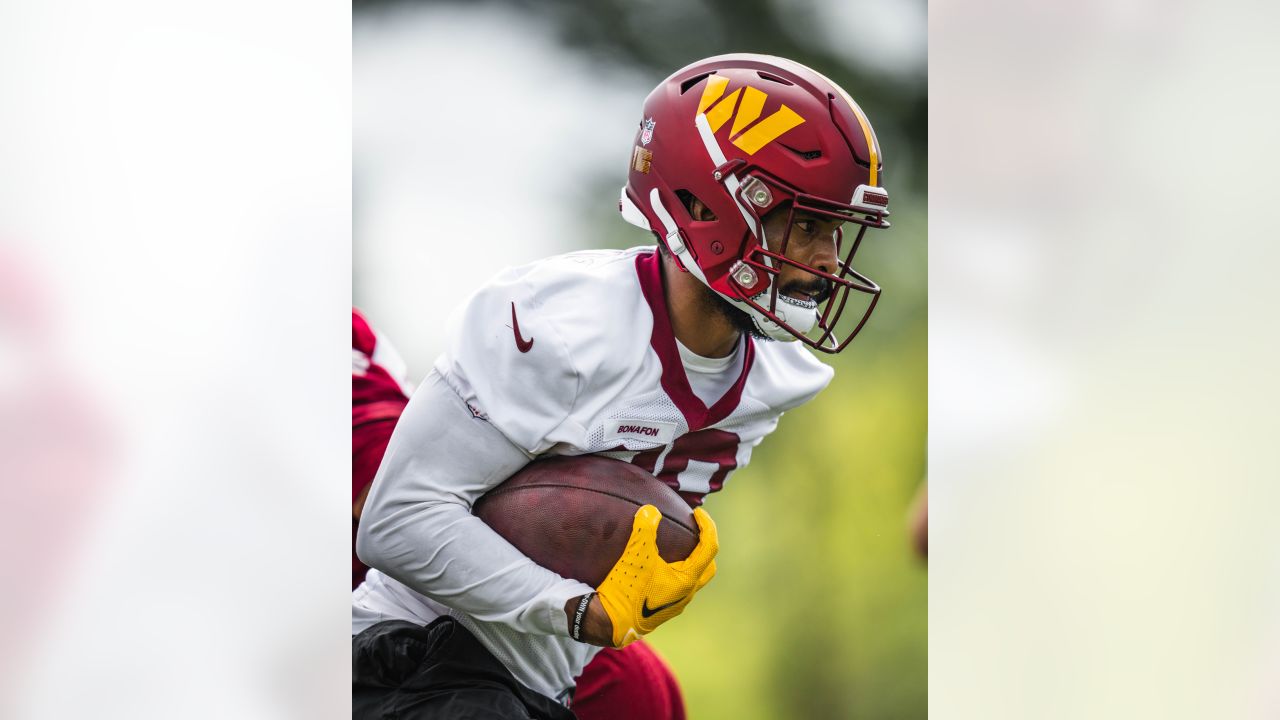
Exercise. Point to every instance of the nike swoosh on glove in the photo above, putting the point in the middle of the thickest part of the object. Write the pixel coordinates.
(642, 591)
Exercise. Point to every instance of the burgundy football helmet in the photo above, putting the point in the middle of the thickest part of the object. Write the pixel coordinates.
(746, 134)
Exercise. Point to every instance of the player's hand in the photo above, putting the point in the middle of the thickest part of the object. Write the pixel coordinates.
(642, 591)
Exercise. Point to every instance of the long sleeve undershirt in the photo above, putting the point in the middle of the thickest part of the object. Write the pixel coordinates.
(417, 525)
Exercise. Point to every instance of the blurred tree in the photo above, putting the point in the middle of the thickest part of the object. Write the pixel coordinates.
(660, 37)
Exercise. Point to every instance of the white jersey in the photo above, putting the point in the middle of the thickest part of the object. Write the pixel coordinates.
(569, 356)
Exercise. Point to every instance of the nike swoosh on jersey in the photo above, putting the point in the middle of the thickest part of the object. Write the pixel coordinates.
(522, 345)
(646, 612)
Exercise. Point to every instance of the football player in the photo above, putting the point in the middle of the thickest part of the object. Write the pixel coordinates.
(759, 177)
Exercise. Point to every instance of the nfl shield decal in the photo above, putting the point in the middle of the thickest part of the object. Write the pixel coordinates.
(647, 134)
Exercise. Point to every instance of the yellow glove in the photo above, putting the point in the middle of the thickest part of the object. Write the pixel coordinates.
(642, 591)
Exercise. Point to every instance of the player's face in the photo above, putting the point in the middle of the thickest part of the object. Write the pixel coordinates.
(811, 242)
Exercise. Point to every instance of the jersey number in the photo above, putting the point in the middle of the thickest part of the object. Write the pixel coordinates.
(717, 448)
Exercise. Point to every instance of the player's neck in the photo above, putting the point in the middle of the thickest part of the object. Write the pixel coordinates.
(695, 321)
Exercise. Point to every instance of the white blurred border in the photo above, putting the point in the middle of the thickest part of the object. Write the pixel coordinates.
(175, 200)
(1102, 361)
(175, 219)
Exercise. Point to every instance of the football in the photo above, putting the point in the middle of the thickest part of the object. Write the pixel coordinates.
(573, 515)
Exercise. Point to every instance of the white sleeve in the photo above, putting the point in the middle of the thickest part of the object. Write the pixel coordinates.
(417, 525)
(527, 391)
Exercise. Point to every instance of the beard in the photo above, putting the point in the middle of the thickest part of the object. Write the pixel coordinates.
(740, 320)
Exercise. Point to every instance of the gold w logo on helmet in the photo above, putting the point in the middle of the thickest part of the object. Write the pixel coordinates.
(719, 109)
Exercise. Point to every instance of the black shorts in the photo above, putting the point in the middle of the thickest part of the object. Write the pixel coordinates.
(440, 671)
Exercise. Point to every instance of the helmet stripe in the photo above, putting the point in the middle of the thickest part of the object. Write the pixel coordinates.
(717, 159)
(873, 145)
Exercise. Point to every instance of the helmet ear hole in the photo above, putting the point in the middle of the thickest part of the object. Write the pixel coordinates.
(698, 210)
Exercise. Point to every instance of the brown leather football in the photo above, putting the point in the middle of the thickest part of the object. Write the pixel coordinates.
(573, 515)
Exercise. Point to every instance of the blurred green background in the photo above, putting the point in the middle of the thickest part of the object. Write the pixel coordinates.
(819, 609)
